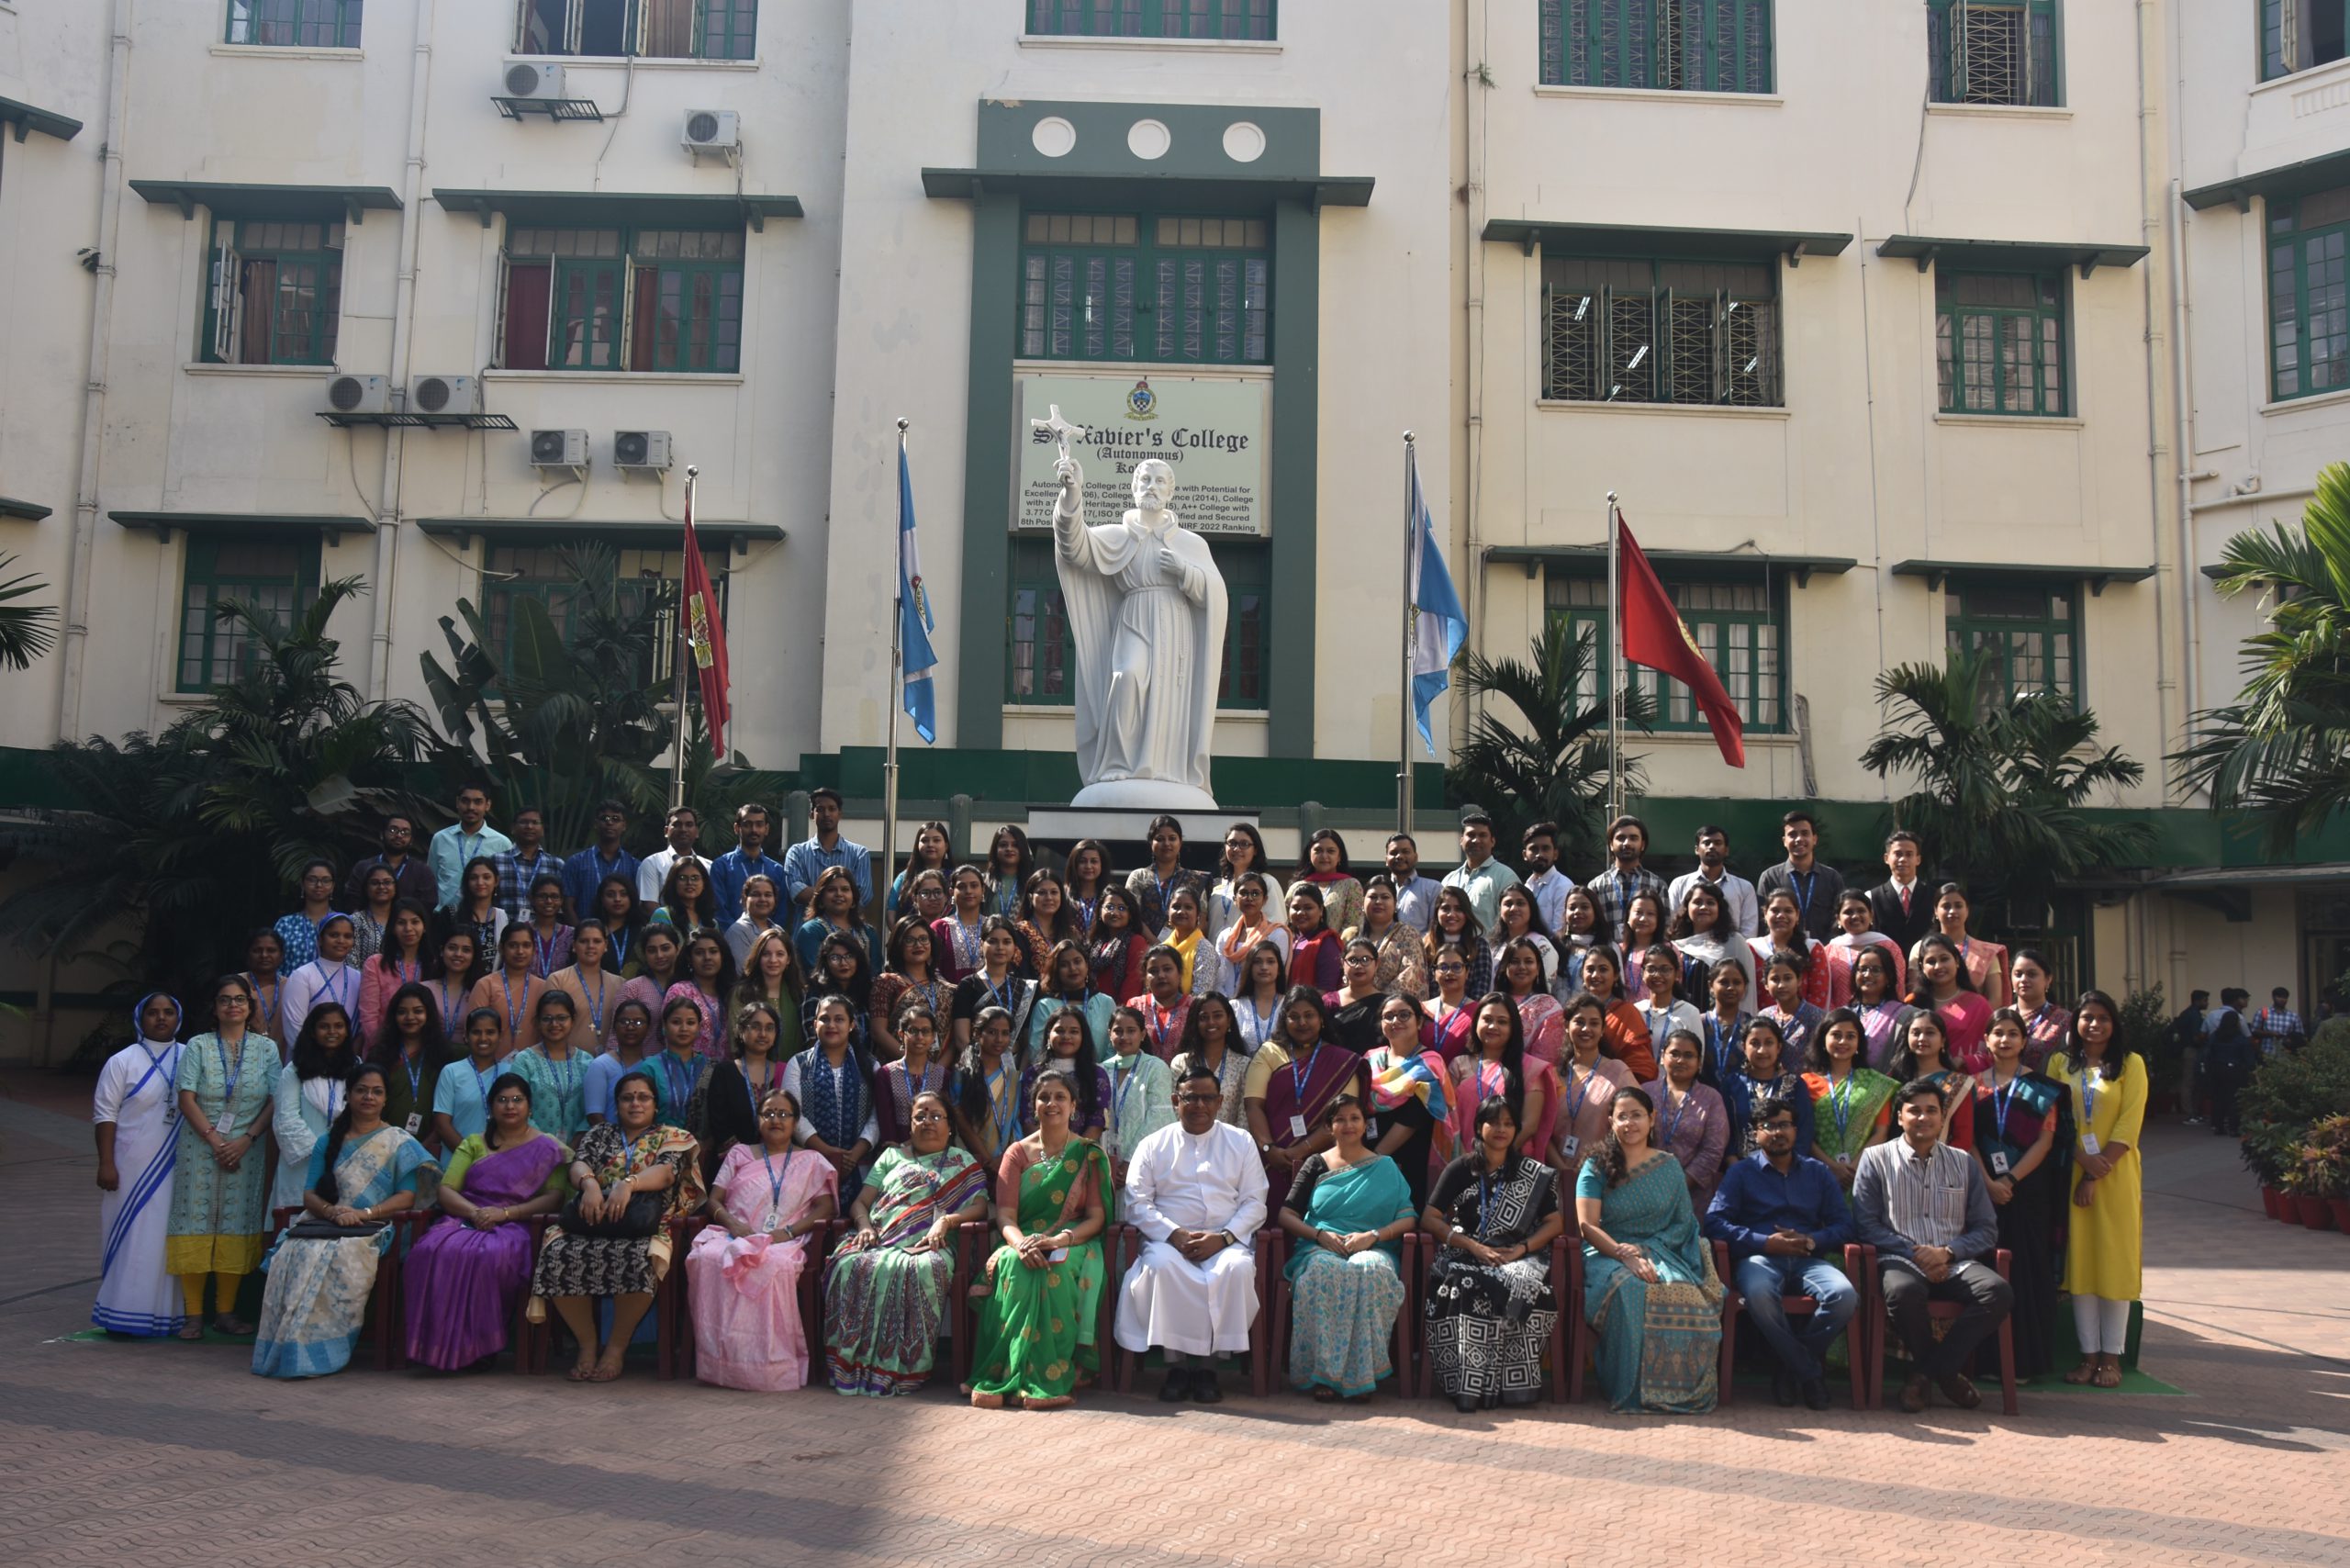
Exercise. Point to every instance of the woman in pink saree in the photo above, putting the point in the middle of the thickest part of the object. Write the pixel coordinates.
(744, 1272)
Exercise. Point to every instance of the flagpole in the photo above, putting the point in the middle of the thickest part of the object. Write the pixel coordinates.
(897, 689)
(1411, 627)
(684, 658)
(1615, 665)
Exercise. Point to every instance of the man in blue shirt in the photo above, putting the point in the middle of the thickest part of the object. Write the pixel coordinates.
(585, 872)
(469, 838)
(739, 865)
(1784, 1218)
(525, 863)
(824, 849)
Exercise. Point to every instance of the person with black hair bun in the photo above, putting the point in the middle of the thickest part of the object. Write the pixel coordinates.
(323, 1270)
(1490, 1309)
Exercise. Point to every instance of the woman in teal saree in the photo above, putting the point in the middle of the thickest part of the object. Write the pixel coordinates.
(1037, 1324)
(1648, 1285)
(1346, 1212)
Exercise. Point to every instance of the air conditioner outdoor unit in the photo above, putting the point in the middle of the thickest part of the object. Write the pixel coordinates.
(529, 79)
(360, 395)
(641, 449)
(444, 395)
(714, 130)
(558, 448)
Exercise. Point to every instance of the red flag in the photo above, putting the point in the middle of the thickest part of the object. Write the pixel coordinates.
(1655, 635)
(706, 637)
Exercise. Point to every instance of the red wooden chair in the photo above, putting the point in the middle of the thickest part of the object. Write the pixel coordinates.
(1856, 1338)
(1881, 1330)
(1404, 1335)
(677, 1327)
(1567, 1351)
(1128, 1247)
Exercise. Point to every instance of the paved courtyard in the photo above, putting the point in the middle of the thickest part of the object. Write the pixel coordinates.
(131, 1454)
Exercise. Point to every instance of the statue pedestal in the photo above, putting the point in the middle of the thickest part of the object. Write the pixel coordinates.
(1143, 795)
(1116, 824)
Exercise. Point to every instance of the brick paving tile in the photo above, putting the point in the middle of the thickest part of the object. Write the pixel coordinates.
(152, 1454)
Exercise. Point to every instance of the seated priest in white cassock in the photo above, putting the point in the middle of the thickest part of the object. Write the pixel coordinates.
(1196, 1190)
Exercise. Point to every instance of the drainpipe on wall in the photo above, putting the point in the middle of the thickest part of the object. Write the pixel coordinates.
(2165, 676)
(387, 519)
(73, 645)
(1474, 84)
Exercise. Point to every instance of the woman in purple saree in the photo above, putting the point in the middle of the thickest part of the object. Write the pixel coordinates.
(463, 1276)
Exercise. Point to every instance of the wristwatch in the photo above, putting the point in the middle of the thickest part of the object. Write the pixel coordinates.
(1229, 1239)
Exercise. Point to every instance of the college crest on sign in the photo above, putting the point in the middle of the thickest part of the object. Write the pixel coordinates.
(698, 633)
(1142, 403)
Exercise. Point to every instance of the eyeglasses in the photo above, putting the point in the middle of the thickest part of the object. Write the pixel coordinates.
(778, 1116)
(231, 1001)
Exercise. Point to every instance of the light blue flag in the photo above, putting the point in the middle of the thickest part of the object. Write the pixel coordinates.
(1439, 624)
(916, 624)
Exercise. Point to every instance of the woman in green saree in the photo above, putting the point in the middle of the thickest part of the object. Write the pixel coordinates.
(1036, 1324)
(1649, 1292)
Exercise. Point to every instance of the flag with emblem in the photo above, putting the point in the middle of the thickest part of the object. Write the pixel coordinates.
(914, 622)
(705, 636)
(1655, 635)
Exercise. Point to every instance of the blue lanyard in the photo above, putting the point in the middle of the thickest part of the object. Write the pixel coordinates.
(449, 1015)
(1007, 1124)
(1719, 1039)
(1163, 1024)
(1803, 883)
(328, 986)
(1298, 1080)
(415, 1078)
(546, 952)
(1085, 908)
(596, 1004)
(464, 855)
(2089, 1102)
(775, 1181)
(2000, 1099)
(618, 937)
(1840, 1105)
(482, 1080)
(1484, 1204)
(1672, 1122)
(514, 1014)
(1574, 1109)
(1000, 995)
(1125, 1078)
(228, 1095)
(670, 1065)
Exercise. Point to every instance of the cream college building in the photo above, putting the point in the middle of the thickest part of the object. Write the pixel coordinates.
(1871, 311)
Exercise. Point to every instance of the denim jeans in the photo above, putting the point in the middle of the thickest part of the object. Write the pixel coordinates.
(1763, 1279)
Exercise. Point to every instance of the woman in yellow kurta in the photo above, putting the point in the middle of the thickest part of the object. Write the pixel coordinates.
(2107, 1085)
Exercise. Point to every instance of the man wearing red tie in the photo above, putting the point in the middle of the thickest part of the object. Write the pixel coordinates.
(1902, 907)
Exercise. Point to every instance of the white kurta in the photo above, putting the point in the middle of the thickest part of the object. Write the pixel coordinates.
(136, 1094)
(1181, 1181)
(314, 983)
(306, 1108)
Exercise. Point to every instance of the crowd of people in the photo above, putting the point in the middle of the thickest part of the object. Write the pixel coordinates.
(561, 1059)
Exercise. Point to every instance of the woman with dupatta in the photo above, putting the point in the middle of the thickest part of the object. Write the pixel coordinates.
(745, 1268)
(462, 1277)
(1345, 1212)
(886, 1299)
(1408, 1108)
(1649, 1286)
(1298, 1083)
(1038, 1324)
(319, 1284)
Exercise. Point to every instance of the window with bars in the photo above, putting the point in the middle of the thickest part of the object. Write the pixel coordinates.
(1993, 52)
(276, 576)
(274, 294)
(1040, 661)
(1232, 20)
(2032, 631)
(663, 299)
(646, 578)
(1716, 46)
(1638, 330)
(2309, 304)
(1739, 627)
(1163, 289)
(1999, 343)
(295, 24)
(652, 29)
(2298, 34)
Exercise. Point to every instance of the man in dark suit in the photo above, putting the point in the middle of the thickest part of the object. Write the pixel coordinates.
(1902, 906)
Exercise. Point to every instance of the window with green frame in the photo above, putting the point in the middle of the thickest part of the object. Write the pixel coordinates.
(655, 30)
(2308, 295)
(1740, 627)
(1227, 19)
(274, 294)
(295, 24)
(1999, 343)
(2032, 631)
(647, 580)
(665, 299)
(1635, 329)
(2298, 34)
(1040, 663)
(277, 577)
(1993, 52)
(1176, 290)
(1714, 46)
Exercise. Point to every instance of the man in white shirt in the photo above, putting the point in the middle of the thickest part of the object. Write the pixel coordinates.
(682, 829)
(1414, 894)
(1478, 875)
(1713, 869)
(1196, 1190)
(1538, 853)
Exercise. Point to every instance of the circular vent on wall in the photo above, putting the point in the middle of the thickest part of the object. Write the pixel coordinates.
(346, 392)
(701, 126)
(431, 394)
(546, 446)
(521, 80)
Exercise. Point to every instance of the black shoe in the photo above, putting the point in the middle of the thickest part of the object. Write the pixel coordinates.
(1517, 1398)
(1465, 1402)
(1178, 1386)
(1814, 1392)
(1206, 1390)
(1782, 1387)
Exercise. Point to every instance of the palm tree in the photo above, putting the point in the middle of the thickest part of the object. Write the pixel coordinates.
(1552, 762)
(2281, 750)
(26, 631)
(2000, 789)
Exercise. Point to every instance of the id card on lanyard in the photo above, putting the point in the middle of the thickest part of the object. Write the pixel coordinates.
(2088, 1113)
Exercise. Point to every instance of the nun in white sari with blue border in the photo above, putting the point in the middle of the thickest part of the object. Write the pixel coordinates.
(364, 1172)
(137, 1113)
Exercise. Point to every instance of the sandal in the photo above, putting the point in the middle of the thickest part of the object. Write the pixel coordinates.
(608, 1365)
(236, 1327)
(2083, 1372)
(1057, 1402)
(584, 1368)
(986, 1401)
(192, 1330)
(1323, 1394)
(2108, 1374)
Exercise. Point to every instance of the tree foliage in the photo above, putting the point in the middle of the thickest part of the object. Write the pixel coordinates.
(26, 631)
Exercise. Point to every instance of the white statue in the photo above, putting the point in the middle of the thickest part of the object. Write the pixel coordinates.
(1147, 613)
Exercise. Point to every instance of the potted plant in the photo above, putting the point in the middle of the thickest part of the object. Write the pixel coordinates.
(2304, 1186)
(2326, 1157)
(2266, 1149)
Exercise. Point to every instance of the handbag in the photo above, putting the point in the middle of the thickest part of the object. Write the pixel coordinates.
(314, 1230)
(642, 1219)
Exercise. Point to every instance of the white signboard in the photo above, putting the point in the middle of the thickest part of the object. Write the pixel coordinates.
(1213, 431)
